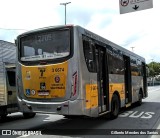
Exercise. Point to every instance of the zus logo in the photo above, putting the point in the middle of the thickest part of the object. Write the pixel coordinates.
(136, 114)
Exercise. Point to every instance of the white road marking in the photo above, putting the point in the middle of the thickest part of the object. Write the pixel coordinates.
(137, 114)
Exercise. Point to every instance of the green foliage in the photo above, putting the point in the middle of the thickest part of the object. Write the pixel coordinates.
(154, 69)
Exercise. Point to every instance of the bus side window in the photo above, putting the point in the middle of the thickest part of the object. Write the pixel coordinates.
(115, 65)
(89, 53)
(136, 68)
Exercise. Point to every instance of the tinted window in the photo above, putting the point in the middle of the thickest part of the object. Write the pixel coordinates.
(45, 45)
(11, 78)
(89, 54)
(115, 62)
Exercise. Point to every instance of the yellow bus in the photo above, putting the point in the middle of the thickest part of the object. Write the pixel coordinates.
(71, 71)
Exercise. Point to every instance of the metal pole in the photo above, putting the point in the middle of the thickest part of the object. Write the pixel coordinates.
(65, 14)
(65, 8)
(153, 75)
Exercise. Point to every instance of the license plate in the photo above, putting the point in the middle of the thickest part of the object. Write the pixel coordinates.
(43, 93)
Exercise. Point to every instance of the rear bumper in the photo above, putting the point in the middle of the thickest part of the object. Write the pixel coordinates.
(62, 108)
(45, 107)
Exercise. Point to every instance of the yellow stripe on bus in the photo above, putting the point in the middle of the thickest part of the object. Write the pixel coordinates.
(119, 87)
(92, 93)
(91, 96)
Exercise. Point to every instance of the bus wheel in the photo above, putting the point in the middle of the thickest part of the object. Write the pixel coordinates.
(140, 99)
(68, 116)
(4, 116)
(28, 115)
(71, 116)
(114, 107)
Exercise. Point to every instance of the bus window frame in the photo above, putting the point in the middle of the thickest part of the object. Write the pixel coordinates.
(48, 61)
(92, 49)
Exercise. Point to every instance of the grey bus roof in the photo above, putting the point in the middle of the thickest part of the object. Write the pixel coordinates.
(90, 34)
(43, 29)
(107, 42)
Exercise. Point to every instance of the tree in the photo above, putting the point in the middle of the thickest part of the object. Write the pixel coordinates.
(154, 68)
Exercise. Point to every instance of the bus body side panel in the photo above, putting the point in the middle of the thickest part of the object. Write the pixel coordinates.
(116, 84)
(137, 83)
(137, 78)
(88, 86)
(116, 72)
(76, 101)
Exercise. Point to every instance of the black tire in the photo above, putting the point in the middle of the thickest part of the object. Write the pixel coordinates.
(115, 106)
(4, 116)
(140, 100)
(68, 116)
(71, 116)
(29, 115)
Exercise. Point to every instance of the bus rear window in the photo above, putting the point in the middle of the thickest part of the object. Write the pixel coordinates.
(45, 45)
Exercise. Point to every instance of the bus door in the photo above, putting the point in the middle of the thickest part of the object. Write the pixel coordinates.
(102, 76)
(128, 81)
(145, 94)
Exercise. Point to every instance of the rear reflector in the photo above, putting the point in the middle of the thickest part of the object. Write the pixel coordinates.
(74, 85)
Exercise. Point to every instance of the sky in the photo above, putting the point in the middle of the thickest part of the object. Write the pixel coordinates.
(136, 31)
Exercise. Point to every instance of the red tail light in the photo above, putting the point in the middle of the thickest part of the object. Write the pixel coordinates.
(74, 85)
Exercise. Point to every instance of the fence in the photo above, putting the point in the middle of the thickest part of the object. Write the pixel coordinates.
(153, 82)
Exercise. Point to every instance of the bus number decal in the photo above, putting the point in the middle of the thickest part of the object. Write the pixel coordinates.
(58, 70)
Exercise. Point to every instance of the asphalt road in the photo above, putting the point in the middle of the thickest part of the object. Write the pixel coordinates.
(136, 121)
